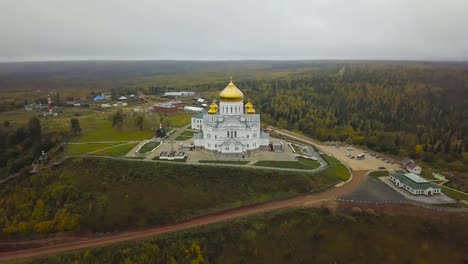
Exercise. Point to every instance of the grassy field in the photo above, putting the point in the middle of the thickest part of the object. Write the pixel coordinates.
(377, 174)
(187, 134)
(295, 236)
(179, 120)
(117, 151)
(100, 129)
(453, 194)
(303, 164)
(337, 169)
(77, 149)
(98, 194)
(238, 162)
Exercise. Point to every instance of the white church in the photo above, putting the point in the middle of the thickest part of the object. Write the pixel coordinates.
(231, 127)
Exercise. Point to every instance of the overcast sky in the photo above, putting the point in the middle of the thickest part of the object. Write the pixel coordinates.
(233, 30)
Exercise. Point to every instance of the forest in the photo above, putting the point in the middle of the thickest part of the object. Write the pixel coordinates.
(299, 235)
(415, 109)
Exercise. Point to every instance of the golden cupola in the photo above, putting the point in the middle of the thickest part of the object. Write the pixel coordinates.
(250, 110)
(213, 108)
(231, 93)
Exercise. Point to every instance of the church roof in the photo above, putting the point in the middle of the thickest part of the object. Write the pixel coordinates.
(231, 93)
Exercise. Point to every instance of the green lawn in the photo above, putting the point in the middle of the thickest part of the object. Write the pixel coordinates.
(76, 149)
(182, 138)
(377, 174)
(238, 162)
(311, 163)
(337, 169)
(187, 134)
(149, 146)
(100, 128)
(303, 164)
(453, 194)
(179, 120)
(117, 151)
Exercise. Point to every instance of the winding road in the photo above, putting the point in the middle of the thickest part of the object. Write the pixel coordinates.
(305, 200)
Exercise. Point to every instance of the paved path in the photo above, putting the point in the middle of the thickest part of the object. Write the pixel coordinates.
(313, 199)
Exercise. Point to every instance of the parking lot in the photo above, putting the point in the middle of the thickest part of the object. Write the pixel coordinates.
(368, 163)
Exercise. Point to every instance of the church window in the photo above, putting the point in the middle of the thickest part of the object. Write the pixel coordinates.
(216, 136)
(227, 148)
(231, 109)
(237, 148)
(227, 133)
(247, 145)
(216, 145)
(235, 133)
(247, 136)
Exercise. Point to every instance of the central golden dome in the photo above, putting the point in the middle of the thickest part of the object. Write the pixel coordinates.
(231, 93)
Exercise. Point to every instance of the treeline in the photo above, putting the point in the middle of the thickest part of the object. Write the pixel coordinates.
(21, 146)
(405, 110)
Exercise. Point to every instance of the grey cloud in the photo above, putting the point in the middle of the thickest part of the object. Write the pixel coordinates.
(242, 29)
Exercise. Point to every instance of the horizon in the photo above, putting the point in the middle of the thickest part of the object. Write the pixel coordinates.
(238, 60)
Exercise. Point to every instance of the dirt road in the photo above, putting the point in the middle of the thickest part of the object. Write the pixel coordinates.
(306, 200)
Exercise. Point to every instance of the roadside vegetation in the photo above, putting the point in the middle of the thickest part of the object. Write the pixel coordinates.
(337, 169)
(301, 163)
(295, 236)
(378, 174)
(101, 195)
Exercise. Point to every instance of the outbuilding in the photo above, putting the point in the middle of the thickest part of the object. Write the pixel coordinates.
(414, 184)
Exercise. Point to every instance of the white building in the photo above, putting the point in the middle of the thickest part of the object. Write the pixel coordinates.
(197, 121)
(232, 127)
(414, 184)
(179, 94)
(411, 166)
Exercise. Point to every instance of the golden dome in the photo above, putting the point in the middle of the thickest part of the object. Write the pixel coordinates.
(231, 93)
(213, 108)
(248, 105)
(250, 110)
